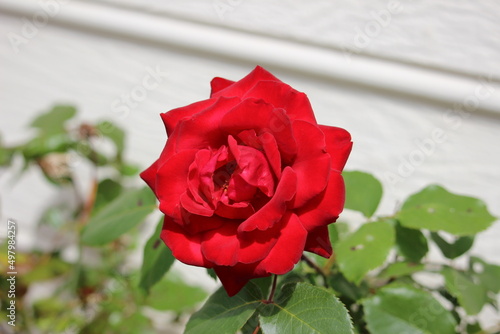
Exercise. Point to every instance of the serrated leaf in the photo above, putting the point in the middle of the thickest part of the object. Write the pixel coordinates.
(346, 289)
(471, 296)
(224, 314)
(398, 308)
(455, 249)
(399, 269)
(118, 217)
(363, 192)
(157, 260)
(436, 209)
(302, 308)
(174, 295)
(107, 191)
(364, 250)
(53, 121)
(412, 244)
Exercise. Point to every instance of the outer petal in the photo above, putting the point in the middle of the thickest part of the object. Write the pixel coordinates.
(312, 163)
(171, 181)
(256, 245)
(338, 144)
(217, 84)
(234, 278)
(326, 207)
(318, 241)
(174, 116)
(239, 88)
(184, 246)
(221, 246)
(273, 211)
(202, 130)
(288, 249)
(281, 95)
(149, 175)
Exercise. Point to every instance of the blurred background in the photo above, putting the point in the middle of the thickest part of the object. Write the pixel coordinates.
(416, 83)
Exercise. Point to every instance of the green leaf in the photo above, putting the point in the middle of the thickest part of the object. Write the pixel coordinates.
(107, 191)
(174, 295)
(399, 269)
(305, 309)
(412, 244)
(363, 192)
(436, 209)
(346, 289)
(471, 296)
(488, 274)
(224, 314)
(45, 144)
(398, 308)
(119, 216)
(455, 249)
(364, 250)
(157, 260)
(53, 121)
(113, 132)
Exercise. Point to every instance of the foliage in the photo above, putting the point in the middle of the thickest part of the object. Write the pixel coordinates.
(372, 284)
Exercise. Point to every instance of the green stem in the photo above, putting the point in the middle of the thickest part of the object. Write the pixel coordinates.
(313, 265)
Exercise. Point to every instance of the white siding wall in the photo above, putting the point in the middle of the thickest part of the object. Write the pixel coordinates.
(390, 86)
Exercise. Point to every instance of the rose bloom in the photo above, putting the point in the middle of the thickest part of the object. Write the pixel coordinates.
(248, 180)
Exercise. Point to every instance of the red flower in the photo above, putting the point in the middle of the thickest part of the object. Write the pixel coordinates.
(248, 180)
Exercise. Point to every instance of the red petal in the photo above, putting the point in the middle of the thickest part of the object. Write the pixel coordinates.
(338, 144)
(256, 245)
(239, 88)
(252, 167)
(171, 181)
(234, 278)
(288, 249)
(240, 210)
(188, 203)
(281, 95)
(172, 118)
(312, 163)
(221, 246)
(149, 175)
(318, 242)
(325, 208)
(184, 246)
(202, 130)
(262, 117)
(195, 224)
(218, 84)
(272, 212)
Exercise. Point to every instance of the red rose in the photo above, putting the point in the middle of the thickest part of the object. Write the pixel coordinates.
(248, 180)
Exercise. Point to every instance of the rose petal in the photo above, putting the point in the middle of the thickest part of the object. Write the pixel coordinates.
(338, 145)
(202, 130)
(188, 203)
(185, 247)
(235, 278)
(217, 84)
(272, 212)
(264, 118)
(239, 190)
(195, 224)
(240, 210)
(312, 163)
(172, 118)
(149, 175)
(171, 181)
(221, 246)
(256, 245)
(241, 86)
(325, 208)
(252, 167)
(318, 242)
(281, 95)
(288, 249)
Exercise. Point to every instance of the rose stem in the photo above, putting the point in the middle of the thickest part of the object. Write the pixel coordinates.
(273, 288)
(315, 267)
(256, 330)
